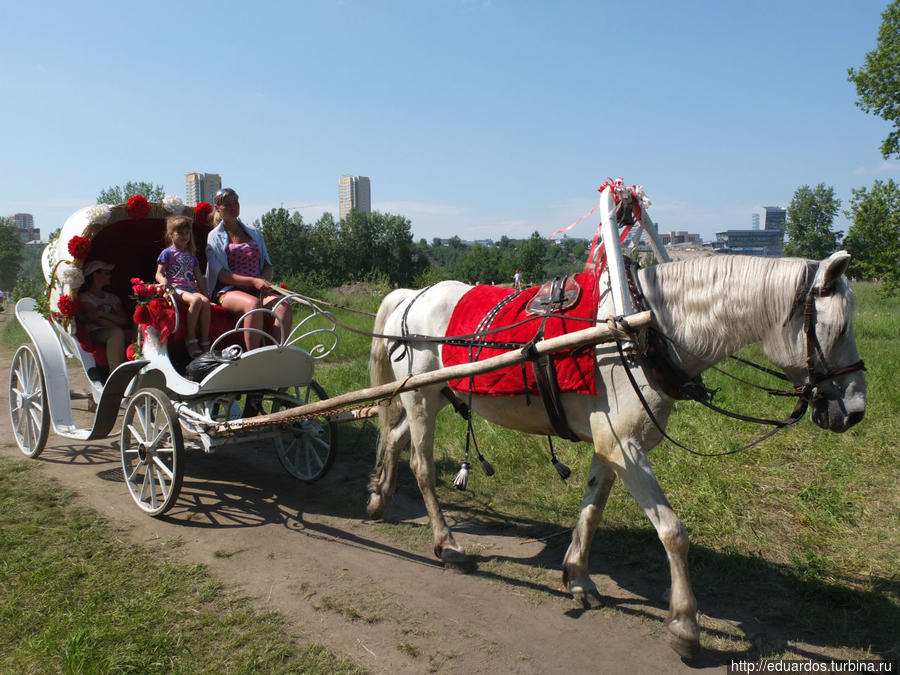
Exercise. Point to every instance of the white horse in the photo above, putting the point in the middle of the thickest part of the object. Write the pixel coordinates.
(710, 308)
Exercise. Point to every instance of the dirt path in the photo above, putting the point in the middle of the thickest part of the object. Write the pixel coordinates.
(390, 607)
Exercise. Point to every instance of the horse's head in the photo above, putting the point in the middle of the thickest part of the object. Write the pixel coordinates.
(817, 348)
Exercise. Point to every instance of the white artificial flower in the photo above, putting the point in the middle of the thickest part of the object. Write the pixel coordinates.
(100, 213)
(641, 196)
(173, 204)
(70, 275)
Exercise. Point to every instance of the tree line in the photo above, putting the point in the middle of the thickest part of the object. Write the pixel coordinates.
(376, 245)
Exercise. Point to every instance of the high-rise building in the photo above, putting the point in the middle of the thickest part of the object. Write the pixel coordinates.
(354, 192)
(25, 229)
(775, 217)
(201, 187)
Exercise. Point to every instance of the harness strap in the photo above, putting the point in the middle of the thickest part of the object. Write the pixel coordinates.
(796, 415)
(544, 369)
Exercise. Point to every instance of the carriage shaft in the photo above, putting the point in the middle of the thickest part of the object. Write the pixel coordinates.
(592, 335)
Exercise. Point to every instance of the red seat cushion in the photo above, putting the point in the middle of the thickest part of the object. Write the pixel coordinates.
(98, 351)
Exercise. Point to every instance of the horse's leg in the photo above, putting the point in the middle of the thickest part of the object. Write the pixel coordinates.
(383, 480)
(422, 409)
(633, 467)
(575, 565)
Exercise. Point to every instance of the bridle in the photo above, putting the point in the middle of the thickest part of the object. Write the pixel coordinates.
(817, 369)
(816, 375)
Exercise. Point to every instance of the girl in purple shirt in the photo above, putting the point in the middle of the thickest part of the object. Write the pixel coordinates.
(178, 268)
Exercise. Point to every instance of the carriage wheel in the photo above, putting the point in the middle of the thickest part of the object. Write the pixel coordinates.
(306, 448)
(152, 450)
(28, 402)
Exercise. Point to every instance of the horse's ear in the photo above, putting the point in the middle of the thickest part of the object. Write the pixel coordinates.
(832, 268)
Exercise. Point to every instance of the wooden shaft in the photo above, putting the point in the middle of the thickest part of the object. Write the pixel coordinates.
(592, 335)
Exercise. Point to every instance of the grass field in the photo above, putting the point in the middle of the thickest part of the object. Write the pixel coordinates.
(794, 541)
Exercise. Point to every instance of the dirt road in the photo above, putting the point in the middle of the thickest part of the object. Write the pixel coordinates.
(340, 581)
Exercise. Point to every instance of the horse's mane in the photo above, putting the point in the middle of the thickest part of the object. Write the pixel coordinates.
(717, 304)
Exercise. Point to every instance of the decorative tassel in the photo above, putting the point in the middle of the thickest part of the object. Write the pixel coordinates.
(486, 465)
(462, 478)
(563, 471)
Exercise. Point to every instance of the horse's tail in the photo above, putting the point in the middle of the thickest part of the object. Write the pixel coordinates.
(380, 371)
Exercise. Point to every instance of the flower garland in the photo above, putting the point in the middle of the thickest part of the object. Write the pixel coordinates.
(138, 207)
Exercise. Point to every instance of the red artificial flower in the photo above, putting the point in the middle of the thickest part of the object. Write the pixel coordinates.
(282, 285)
(202, 212)
(157, 305)
(79, 247)
(141, 314)
(68, 306)
(136, 281)
(138, 207)
(133, 351)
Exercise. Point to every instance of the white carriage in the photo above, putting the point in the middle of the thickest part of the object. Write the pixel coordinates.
(159, 403)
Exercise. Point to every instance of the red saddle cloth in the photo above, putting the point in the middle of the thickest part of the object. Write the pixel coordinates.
(574, 368)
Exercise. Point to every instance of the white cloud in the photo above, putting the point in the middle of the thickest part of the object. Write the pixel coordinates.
(884, 167)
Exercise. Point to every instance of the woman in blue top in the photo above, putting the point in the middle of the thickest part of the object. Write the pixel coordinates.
(238, 270)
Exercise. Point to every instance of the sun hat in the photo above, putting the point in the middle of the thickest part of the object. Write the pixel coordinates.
(95, 265)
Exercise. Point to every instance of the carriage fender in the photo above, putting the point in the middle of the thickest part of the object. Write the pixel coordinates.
(53, 364)
(56, 378)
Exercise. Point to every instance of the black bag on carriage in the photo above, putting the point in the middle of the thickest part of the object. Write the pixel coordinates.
(204, 364)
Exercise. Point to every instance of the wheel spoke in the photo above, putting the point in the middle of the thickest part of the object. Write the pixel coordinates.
(311, 453)
(160, 480)
(320, 441)
(164, 468)
(136, 435)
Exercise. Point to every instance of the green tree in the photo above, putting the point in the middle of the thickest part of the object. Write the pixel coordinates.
(381, 244)
(325, 256)
(10, 254)
(531, 259)
(810, 218)
(874, 237)
(878, 82)
(287, 241)
(479, 263)
(116, 194)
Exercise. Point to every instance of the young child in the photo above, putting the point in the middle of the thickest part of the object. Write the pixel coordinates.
(103, 313)
(178, 267)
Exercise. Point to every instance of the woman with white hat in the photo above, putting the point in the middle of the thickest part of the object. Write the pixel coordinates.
(102, 312)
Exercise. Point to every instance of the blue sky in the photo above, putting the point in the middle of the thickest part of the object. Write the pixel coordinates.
(477, 119)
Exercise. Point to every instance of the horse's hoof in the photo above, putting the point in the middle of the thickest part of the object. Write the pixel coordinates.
(375, 506)
(684, 639)
(457, 561)
(587, 598)
(464, 567)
